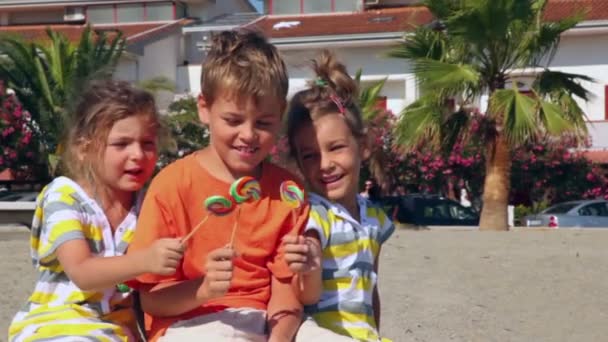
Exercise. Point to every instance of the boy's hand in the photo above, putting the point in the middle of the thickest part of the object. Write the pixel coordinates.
(218, 272)
(163, 256)
(302, 253)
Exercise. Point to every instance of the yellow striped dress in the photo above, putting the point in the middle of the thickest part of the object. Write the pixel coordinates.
(350, 249)
(58, 310)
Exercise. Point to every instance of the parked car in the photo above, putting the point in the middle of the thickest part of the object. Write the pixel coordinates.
(429, 210)
(584, 213)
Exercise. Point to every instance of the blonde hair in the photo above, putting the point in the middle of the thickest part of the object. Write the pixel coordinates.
(244, 64)
(101, 105)
(333, 91)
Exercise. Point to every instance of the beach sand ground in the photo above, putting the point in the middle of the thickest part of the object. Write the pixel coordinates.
(450, 285)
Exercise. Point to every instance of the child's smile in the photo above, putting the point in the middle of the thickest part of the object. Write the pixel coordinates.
(243, 133)
(330, 157)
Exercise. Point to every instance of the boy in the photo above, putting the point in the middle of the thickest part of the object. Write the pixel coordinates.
(223, 293)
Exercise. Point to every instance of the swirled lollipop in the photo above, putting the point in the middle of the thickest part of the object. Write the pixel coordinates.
(291, 194)
(245, 189)
(217, 205)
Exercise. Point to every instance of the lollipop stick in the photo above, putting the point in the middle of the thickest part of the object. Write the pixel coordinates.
(193, 231)
(293, 224)
(235, 227)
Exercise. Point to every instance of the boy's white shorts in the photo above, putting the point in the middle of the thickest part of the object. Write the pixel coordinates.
(239, 325)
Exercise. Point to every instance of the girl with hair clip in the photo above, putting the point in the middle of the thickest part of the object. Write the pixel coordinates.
(84, 222)
(337, 258)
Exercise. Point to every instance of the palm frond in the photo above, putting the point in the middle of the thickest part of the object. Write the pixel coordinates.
(420, 122)
(368, 99)
(358, 76)
(454, 79)
(423, 43)
(573, 113)
(551, 82)
(517, 112)
(551, 116)
(454, 129)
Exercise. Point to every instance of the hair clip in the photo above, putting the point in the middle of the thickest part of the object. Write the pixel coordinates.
(320, 82)
(338, 103)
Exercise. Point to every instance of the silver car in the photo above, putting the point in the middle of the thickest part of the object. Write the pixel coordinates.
(584, 213)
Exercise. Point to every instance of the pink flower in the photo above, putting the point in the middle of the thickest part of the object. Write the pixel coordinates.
(17, 112)
(26, 138)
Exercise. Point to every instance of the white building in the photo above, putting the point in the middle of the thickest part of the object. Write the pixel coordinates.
(156, 44)
(361, 33)
(168, 38)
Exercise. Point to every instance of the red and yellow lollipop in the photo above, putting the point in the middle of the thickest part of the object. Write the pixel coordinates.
(244, 189)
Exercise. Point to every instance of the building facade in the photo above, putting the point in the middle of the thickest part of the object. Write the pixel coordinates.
(169, 39)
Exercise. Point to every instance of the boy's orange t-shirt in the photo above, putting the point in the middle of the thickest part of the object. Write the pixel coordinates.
(174, 205)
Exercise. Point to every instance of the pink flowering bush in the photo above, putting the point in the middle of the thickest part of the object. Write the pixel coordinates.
(552, 171)
(18, 147)
(545, 171)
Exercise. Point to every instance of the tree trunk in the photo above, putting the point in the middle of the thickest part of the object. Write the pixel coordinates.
(496, 186)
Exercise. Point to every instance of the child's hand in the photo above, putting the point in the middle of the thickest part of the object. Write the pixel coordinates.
(218, 272)
(164, 256)
(302, 253)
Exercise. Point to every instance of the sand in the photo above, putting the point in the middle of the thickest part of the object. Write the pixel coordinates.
(451, 285)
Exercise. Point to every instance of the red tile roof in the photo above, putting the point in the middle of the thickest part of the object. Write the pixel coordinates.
(597, 156)
(397, 19)
(371, 21)
(132, 32)
(592, 9)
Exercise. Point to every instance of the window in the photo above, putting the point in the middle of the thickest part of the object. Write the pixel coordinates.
(35, 17)
(159, 12)
(100, 14)
(312, 6)
(317, 6)
(594, 209)
(286, 7)
(346, 5)
(180, 11)
(130, 13)
(560, 208)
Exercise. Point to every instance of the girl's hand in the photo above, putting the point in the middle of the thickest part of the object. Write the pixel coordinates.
(302, 253)
(218, 273)
(164, 256)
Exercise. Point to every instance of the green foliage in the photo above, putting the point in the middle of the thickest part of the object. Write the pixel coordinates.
(156, 84)
(471, 50)
(46, 77)
(186, 133)
(521, 211)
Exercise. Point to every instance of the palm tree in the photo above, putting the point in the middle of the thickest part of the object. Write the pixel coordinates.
(471, 50)
(46, 77)
(375, 119)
